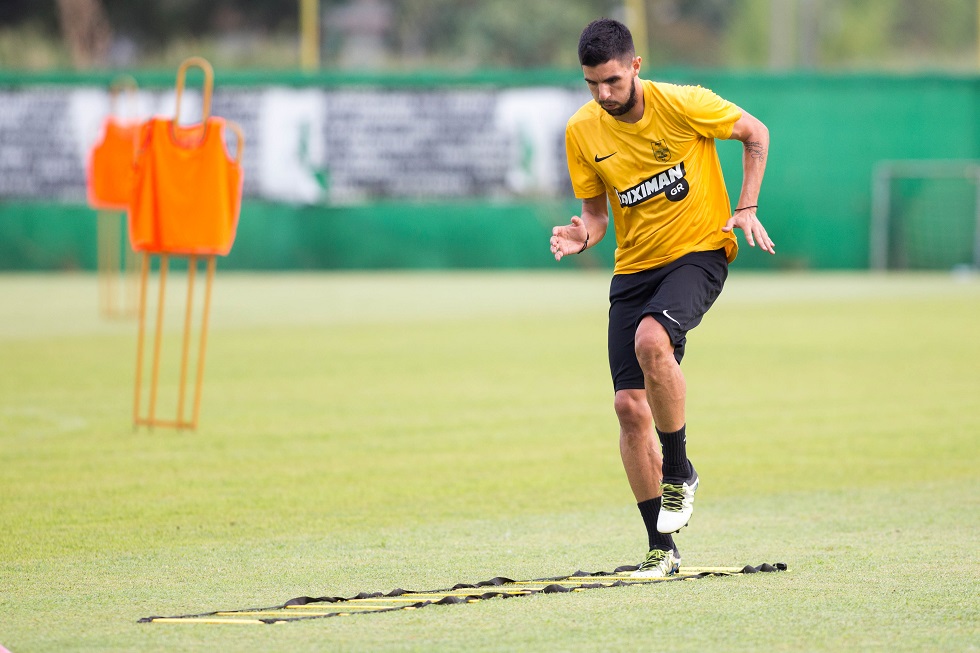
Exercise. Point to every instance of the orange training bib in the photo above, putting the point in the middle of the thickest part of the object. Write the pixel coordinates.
(187, 192)
(110, 166)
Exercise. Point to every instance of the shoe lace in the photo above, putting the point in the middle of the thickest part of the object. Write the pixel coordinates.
(673, 497)
(654, 558)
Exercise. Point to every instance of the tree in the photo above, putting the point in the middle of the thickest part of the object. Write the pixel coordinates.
(86, 31)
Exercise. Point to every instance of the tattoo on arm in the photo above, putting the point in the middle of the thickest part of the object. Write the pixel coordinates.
(755, 150)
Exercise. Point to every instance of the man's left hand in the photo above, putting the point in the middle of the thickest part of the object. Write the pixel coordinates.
(747, 221)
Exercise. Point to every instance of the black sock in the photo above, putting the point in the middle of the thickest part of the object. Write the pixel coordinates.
(674, 446)
(650, 510)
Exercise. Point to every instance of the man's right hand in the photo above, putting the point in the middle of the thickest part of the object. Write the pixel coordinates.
(569, 238)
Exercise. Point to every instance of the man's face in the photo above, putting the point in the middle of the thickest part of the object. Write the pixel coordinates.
(612, 86)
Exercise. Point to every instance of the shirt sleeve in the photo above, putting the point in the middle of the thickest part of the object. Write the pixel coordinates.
(706, 113)
(586, 182)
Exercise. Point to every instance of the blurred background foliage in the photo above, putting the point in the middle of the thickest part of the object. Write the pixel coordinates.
(467, 34)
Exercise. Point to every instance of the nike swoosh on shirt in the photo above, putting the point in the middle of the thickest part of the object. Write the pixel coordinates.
(603, 158)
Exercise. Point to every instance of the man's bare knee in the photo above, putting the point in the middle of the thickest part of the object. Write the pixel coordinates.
(653, 346)
(632, 410)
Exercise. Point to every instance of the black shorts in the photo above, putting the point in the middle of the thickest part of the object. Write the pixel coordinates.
(676, 295)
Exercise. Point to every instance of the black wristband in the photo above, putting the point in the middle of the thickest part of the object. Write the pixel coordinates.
(586, 243)
(754, 206)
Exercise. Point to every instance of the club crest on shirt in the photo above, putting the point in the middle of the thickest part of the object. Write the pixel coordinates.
(660, 151)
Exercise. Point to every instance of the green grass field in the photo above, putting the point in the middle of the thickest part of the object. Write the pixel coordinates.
(361, 432)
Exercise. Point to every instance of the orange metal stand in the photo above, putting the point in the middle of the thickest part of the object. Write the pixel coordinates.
(186, 418)
(116, 268)
(181, 421)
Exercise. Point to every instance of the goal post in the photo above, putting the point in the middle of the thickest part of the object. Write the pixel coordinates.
(962, 221)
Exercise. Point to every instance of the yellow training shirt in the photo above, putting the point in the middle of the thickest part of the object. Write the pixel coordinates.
(661, 175)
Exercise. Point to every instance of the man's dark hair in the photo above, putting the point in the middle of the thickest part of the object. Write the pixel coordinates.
(604, 40)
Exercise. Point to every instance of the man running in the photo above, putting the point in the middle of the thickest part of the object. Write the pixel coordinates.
(647, 149)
